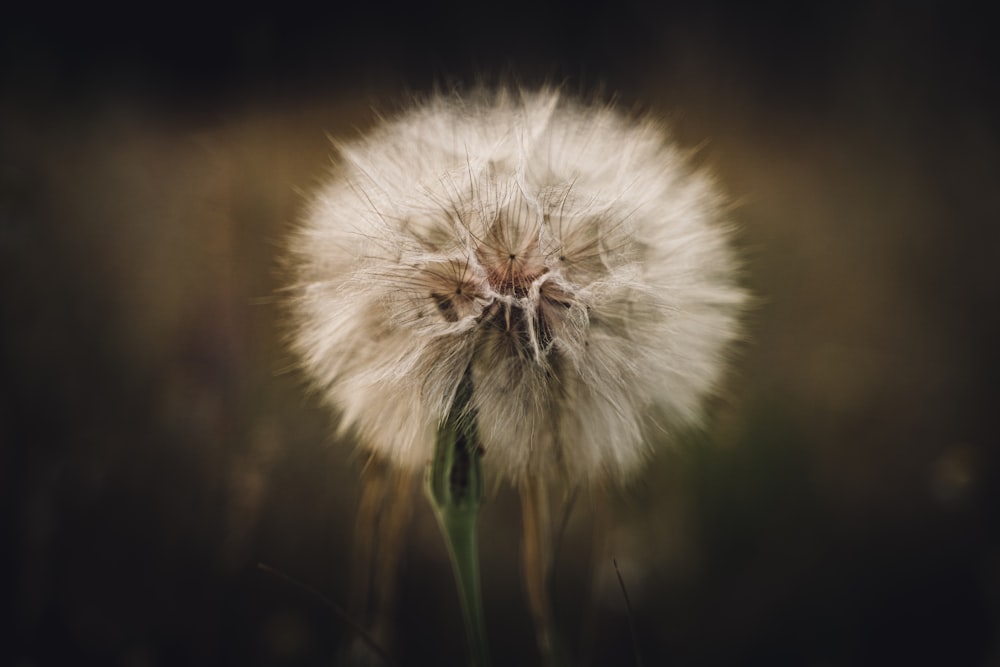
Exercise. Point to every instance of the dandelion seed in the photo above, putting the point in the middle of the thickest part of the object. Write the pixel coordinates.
(567, 255)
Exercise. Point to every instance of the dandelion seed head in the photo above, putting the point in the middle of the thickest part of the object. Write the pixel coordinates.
(568, 253)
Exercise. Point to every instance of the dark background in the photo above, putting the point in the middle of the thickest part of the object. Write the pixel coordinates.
(841, 509)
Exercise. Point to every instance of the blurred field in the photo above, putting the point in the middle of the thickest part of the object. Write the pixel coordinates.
(153, 447)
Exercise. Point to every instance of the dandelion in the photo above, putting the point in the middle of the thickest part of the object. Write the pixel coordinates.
(558, 262)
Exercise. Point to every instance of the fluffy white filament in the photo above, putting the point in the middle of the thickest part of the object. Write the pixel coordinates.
(569, 254)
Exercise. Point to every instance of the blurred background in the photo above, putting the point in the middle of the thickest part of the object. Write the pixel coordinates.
(840, 510)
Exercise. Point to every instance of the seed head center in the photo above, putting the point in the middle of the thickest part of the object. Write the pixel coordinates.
(511, 271)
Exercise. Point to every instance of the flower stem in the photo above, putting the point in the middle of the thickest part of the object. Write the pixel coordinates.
(538, 561)
(454, 487)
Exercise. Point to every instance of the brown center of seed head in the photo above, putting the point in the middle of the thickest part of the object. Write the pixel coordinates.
(512, 264)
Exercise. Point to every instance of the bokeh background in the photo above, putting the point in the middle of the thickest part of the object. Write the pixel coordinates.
(842, 508)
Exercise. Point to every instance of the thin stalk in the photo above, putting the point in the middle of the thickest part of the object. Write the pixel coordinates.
(383, 514)
(460, 536)
(454, 487)
(631, 620)
(537, 555)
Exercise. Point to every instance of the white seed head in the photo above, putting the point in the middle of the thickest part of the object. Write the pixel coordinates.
(566, 252)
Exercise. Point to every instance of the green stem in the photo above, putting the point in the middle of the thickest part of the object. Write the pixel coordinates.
(460, 535)
(454, 487)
